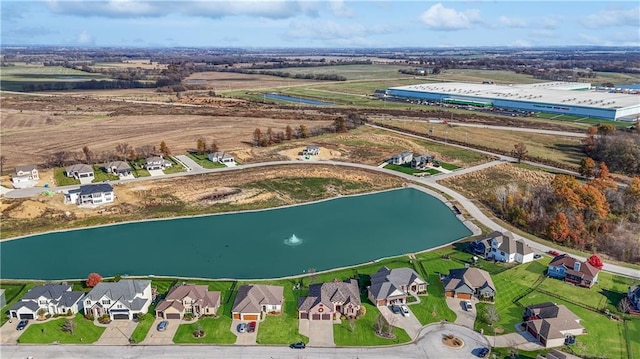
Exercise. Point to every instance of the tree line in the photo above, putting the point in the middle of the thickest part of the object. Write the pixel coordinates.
(340, 125)
(122, 151)
(619, 149)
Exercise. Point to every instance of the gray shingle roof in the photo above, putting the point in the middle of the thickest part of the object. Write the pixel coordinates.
(27, 168)
(251, 298)
(124, 291)
(88, 189)
(473, 277)
(331, 292)
(385, 281)
(70, 298)
(49, 291)
(80, 168)
(29, 304)
(118, 165)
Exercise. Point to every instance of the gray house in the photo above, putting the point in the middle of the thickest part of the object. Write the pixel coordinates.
(311, 151)
(466, 283)
(421, 162)
(328, 301)
(156, 163)
(392, 286)
(118, 168)
(221, 157)
(53, 298)
(402, 158)
(121, 300)
(634, 297)
(79, 170)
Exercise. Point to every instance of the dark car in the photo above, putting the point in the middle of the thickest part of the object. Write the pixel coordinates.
(162, 326)
(298, 345)
(22, 324)
(242, 328)
(483, 352)
(537, 256)
(395, 309)
(252, 327)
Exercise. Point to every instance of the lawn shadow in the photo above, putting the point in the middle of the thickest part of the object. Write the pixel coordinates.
(612, 297)
(537, 268)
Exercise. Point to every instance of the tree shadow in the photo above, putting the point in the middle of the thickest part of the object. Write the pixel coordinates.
(612, 297)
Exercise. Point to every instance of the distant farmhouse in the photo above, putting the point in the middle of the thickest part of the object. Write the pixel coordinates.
(25, 176)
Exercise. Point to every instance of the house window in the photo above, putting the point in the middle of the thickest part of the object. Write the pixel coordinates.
(106, 301)
(119, 305)
(43, 302)
(89, 302)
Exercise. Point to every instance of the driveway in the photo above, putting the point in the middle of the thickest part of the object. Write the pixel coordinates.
(8, 332)
(320, 333)
(410, 324)
(86, 180)
(155, 173)
(190, 164)
(118, 332)
(463, 317)
(154, 337)
(244, 338)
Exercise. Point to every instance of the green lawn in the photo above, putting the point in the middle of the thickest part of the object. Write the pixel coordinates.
(100, 175)
(433, 308)
(217, 331)
(13, 293)
(632, 337)
(203, 160)
(61, 179)
(363, 333)
(280, 329)
(408, 170)
(175, 167)
(449, 166)
(49, 332)
(144, 325)
(138, 170)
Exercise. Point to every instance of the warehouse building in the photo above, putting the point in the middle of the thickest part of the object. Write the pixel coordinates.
(566, 98)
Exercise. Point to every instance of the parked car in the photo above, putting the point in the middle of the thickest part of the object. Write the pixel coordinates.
(162, 326)
(396, 309)
(554, 253)
(537, 256)
(298, 345)
(252, 327)
(22, 324)
(467, 306)
(242, 328)
(405, 310)
(483, 352)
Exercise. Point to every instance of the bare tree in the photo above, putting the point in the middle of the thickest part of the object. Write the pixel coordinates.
(214, 146)
(288, 133)
(164, 149)
(519, 151)
(144, 151)
(59, 159)
(303, 132)
(624, 306)
(3, 160)
(379, 324)
(201, 146)
(69, 326)
(88, 155)
(122, 149)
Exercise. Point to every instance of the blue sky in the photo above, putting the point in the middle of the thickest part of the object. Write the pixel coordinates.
(307, 23)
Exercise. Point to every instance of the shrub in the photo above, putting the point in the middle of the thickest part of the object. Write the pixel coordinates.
(89, 316)
(69, 312)
(188, 316)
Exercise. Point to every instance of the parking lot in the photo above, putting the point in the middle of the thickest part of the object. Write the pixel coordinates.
(154, 337)
(244, 338)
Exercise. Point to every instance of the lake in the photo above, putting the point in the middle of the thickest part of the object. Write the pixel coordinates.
(305, 101)
(248, 245)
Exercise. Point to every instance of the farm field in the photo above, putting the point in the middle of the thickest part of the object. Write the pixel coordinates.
(352, 72)
(13, 78)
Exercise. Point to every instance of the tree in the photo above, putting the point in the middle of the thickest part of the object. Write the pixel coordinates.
(122, 149)
(59, 158)
(288, 133)
(587, 167)
(303, 132)
(340, 125)
(257, 137)
(379, 324)
(93, 279)
(519, 151)
(164, 149)
(269, 136)
(558, 228)
(201, 146)
(214, 146)
(69, 326)
(595, 261)
(3, 160)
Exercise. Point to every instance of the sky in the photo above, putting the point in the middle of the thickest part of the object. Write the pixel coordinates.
(319, 23)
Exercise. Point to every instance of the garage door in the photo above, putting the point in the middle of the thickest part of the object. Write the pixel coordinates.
(250, 317)
(464, 295)
(315, 316)
(121, 316)
(326, 316)
(172, 316)
(236, 315)
(304, 315)
(449, 294)
(26, 316)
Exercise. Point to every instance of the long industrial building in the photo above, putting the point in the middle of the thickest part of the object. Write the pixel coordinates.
(567, 98)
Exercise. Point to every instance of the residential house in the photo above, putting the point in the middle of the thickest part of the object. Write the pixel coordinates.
(254, 301)
(502, 247)
(53, 298)
(402, 158)
(3, 299)
(79, 170)
(634, 297)
(328, 301)
(550, 323)
(573, 271)
(91, 194)
(556, 354)
(221, 157)
(188, 298)
(392, 286)
(118, 168)
(421, 162)
(311, 151)
(25, 176)
(120, 300)
(156, 163)
(466, 283)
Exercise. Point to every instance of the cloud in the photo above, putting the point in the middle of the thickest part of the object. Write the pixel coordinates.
(331, 30)
(85, 38)
(512, 22)
(273, 9)
(520, 43)
(550, 22)
(613, 17)
(338, 9)
(438, 17)
(543, 33)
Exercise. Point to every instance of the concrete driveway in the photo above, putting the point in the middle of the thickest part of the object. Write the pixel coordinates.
(410, 324)
(320, 332)
(118, 332)
(9, 334)
(156, 173)
(154, 337)
(244, 338)
(463, 317)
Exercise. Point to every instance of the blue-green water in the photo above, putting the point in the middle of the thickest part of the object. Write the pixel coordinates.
(336, 233)
(274, 96)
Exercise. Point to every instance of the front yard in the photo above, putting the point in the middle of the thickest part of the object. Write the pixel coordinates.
(100, 175)
(203, 160)
(176, 167)
(217, 331)
(49, 332)
(142, 329)
(61, 179)
(408, 170)
(363, 333)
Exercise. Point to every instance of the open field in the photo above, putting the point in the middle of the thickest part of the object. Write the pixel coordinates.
(226, 81)
(497, 76)
(352, 72)
(13, 78)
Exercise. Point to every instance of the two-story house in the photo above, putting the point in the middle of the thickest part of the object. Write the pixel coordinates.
(25, 176)
(188, 298)
(156, 163)
(402, 158)
(91, 194)
(503, 247)
(634, 298)
(421, 162)
(221, 157)
(573, 271)
(311, 150)
(469, 282)
(120, 300)
(53, 298)
(328, 301)
(392, 286)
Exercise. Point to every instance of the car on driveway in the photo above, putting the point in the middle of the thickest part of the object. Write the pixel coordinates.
(405, 310)
(396, 309)
(242, 328)
(554, 253)
(162, 326)
(467, 306)
(537, 256)
(252, 327)
(22, 324)
(298, 345)
(483, 352)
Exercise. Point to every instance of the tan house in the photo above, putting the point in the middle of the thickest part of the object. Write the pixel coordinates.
(467, 283)
(254, 301)
(188, 298)
(391, 286)
(328, 301)
(25, 176)
(550, 323)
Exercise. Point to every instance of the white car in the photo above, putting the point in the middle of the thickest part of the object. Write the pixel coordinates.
(405, 311)
(467, 306)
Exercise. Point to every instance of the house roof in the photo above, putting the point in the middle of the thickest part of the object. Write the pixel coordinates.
(635, 290)
(118, 165)
(331, 292)
(586, 271)
(473, 277)
(312, 147)
(93, 188)
(198, 293)
(156, 159)
(80, 168)
(68, 299)
(251, 298)
(49, 291)
(553, 319)
(26, 168)
(125, 291)
(28, 304)
(386, 281)
(166, 304)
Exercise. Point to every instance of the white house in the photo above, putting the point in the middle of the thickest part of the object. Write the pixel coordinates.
(121, 300)
(402, 158)
(91, 194)
(79, 170)
(53, 298)
(25, 176)
(311, 151)
(221, 157)
(503, 247)
(156, 163)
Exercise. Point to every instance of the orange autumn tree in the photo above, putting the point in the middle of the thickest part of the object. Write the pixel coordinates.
(93, 279)
(558, 228)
